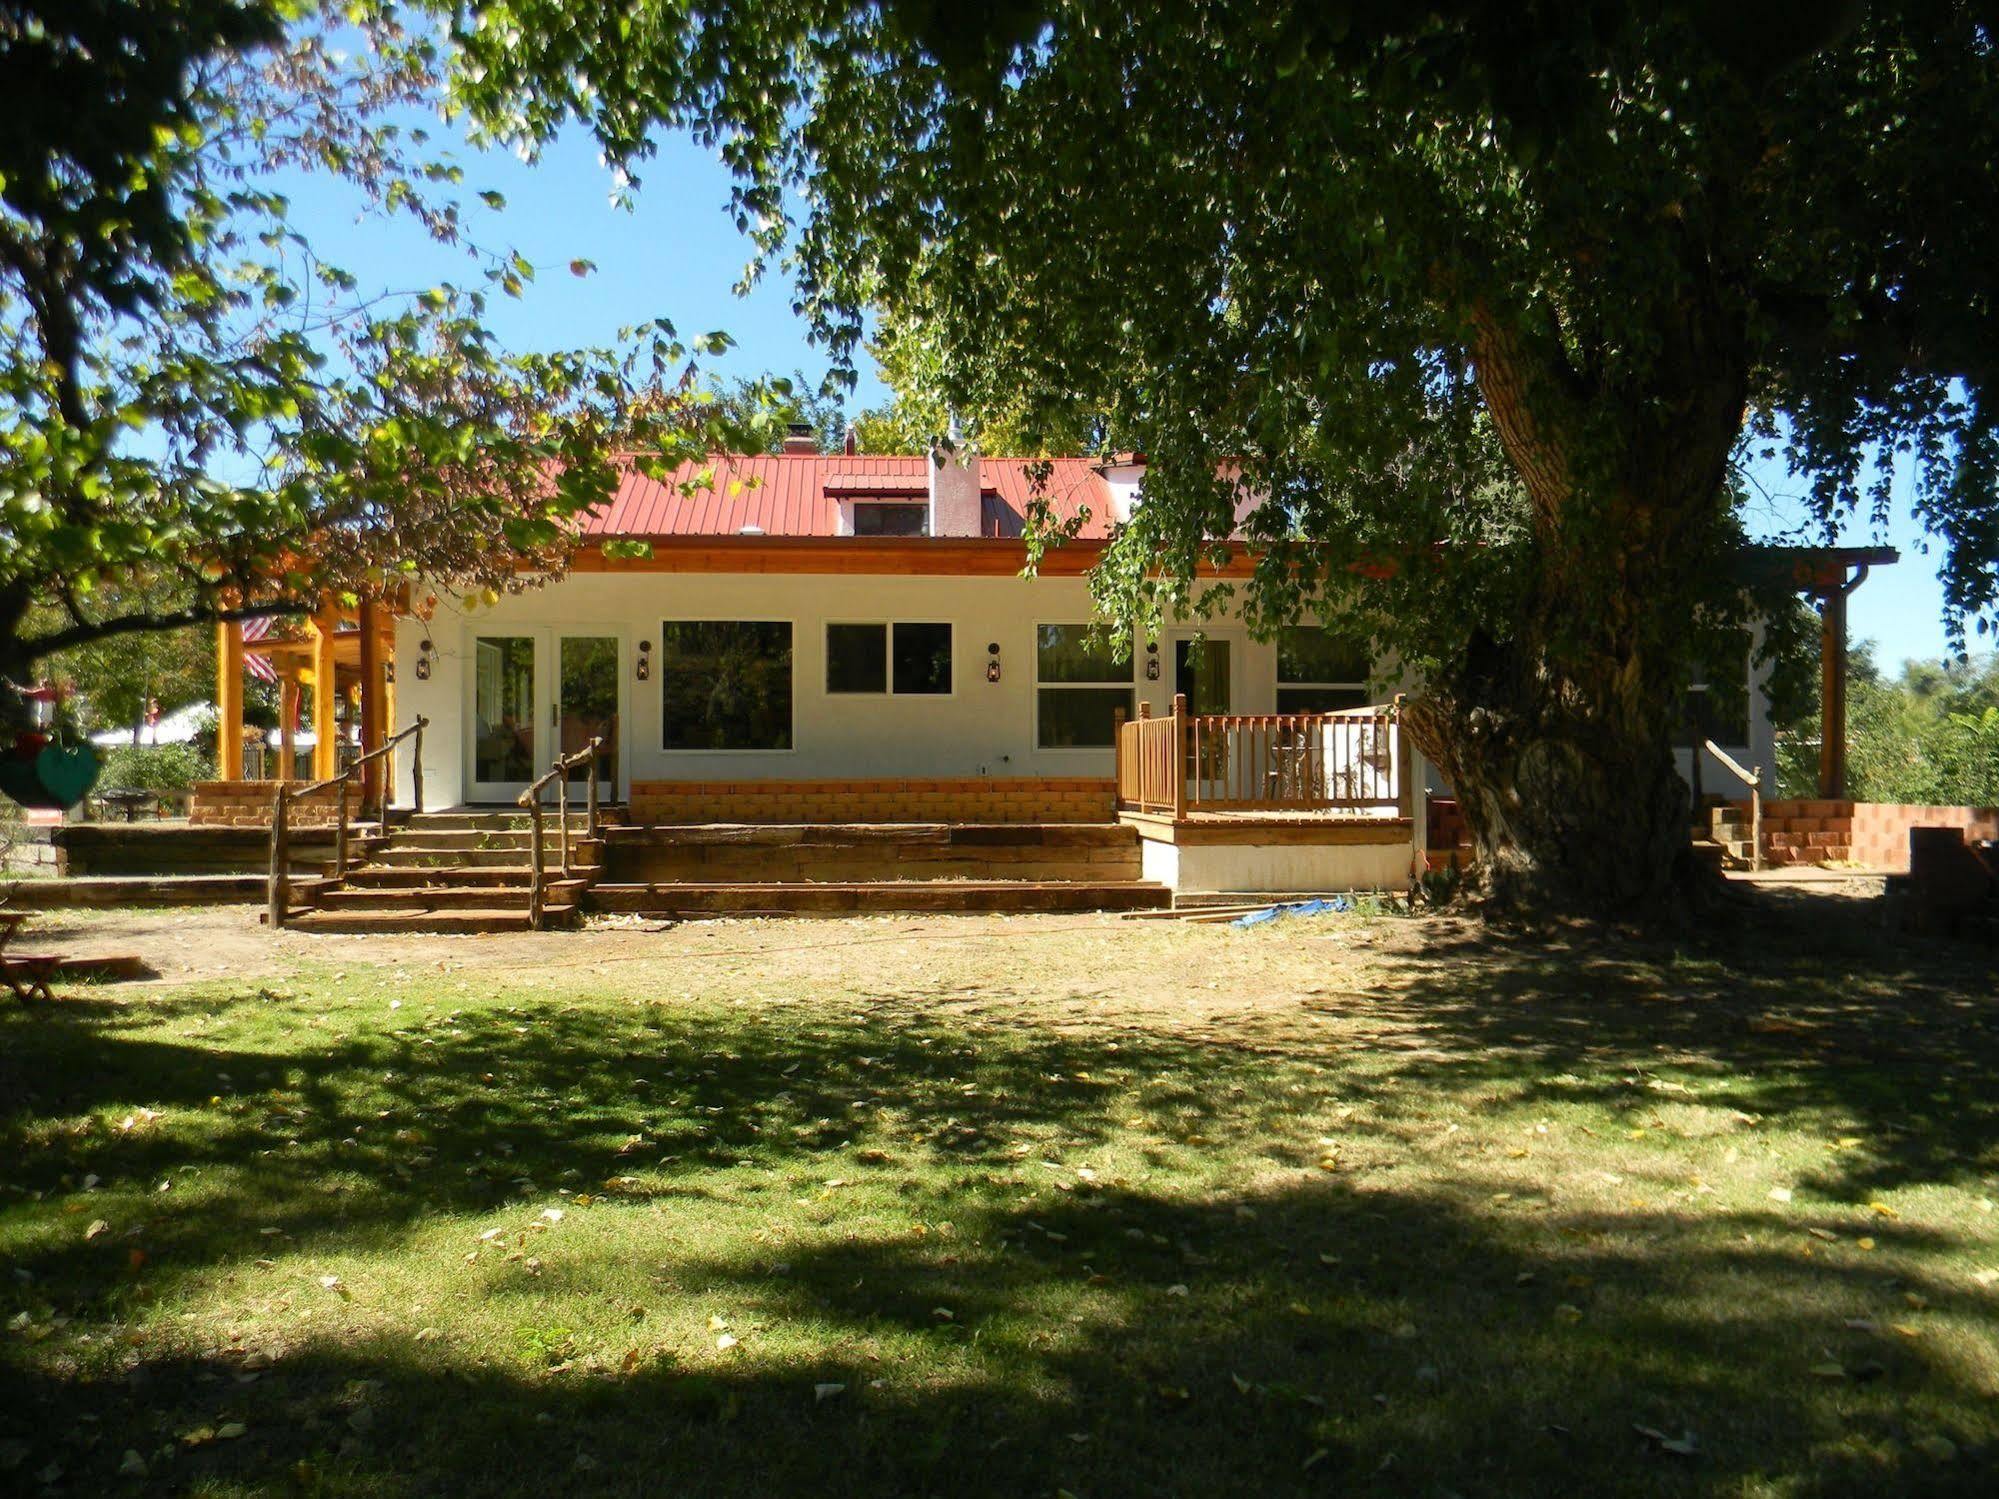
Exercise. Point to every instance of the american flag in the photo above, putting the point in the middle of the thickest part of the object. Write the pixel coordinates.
(256, 663)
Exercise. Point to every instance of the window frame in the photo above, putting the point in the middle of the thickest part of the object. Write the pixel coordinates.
(1130, 684)
(951, 663)
(888, 689)
(1280, 684)
(860, 503)
(826, 647)
(790, 622)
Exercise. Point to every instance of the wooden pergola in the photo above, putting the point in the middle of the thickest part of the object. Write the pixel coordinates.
(340, 650)
(1829, 575)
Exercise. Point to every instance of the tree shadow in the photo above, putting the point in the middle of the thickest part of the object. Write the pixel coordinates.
(1297, 1331)
(1118, 1343)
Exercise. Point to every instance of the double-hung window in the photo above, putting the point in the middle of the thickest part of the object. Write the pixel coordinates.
(1078, 688)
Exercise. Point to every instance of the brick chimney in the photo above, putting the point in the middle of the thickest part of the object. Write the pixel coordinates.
(801, 437)
(956, 508)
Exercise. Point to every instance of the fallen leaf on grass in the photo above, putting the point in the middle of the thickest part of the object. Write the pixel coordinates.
(1780, 1194)
(727, 1341)
(821, 1392)
(98, 1227)
(1684, 1445)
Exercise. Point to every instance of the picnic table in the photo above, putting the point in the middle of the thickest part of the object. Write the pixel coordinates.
(27, 974)
(129, 802)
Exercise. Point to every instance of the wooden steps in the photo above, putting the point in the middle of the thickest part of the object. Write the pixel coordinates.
(469, 872)
(465, 872)
(834, 898)
(862, 853)
(469, 921)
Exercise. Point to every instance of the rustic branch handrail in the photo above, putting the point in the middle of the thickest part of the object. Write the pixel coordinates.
(1753, 779)
(359, 761)
(278, 882)
(589, 755)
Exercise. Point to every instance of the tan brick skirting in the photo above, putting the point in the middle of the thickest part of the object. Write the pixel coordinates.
(1874, 834)
(247, 804)
(956, 799)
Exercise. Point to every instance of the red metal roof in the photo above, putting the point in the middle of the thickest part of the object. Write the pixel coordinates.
(799, 494)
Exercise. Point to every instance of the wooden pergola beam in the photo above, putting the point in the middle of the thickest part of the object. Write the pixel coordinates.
(229, 700)
(374, 693)
(325, 691)
(1832, 682)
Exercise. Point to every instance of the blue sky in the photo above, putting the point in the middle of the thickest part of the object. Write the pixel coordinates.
(677, 255)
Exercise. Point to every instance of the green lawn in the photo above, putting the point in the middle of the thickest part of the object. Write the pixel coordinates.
(1011, 1208)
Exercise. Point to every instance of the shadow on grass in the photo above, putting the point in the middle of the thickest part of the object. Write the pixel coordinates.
(1118, 1344)
(1809, 1013)
(1296, 1333)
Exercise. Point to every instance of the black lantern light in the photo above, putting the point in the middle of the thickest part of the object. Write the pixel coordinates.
(992, 662)
(642, 668)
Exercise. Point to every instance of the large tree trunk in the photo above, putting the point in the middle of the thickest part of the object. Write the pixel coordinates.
(1558, 737)
(1567, 784)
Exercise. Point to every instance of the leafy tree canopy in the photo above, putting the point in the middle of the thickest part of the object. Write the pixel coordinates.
(1485, 297)
(194, 403)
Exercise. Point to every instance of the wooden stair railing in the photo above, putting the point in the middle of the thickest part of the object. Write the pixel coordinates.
(278, 894)
(531, 800)
(1753, 779)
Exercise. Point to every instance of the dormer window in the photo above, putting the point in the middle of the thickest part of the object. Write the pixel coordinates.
(890, 518)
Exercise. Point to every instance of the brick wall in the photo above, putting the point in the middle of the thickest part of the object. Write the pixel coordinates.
(1874, 834)
(1881, 829)
(958, 799)
(247, 804)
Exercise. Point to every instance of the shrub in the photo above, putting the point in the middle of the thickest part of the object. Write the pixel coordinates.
(154, 767)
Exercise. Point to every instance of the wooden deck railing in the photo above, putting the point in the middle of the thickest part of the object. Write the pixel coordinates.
(278, 887)
(1349, 763)
(531, 799)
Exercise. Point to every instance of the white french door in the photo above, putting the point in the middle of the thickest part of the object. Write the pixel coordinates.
(534, 693)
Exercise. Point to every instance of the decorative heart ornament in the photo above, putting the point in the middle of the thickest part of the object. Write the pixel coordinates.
(67, 774)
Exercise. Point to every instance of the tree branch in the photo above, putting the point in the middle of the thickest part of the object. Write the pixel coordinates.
(23, 651)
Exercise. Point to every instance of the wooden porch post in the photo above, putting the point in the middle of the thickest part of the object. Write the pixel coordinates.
(325, 747)
(229, 700)
(287, 725)
(374, 687)
(1117, 758)
(1832, 695)
(1180, 766)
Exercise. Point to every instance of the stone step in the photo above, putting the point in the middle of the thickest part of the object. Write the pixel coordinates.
(521, 839)
(839, 899)
(470, 920)
(447, 897)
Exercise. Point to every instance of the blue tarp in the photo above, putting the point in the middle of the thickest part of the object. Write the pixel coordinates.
(1339, 903)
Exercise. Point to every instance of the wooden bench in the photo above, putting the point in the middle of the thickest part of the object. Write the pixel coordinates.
(27, 974)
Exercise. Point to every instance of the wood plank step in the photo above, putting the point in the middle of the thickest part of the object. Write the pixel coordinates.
(371, 877)
(445, 858)
(447, 897)
(876, 834)
(470, 920)
(830, 898)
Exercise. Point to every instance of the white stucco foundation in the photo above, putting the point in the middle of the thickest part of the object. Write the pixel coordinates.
(1182, 859)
